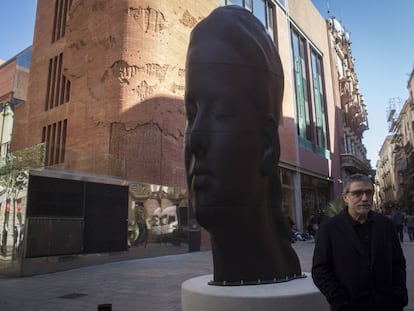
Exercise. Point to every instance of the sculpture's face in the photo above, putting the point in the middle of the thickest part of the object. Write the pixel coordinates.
(224, 141)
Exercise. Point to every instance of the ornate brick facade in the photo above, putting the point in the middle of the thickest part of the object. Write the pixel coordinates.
(114, 70)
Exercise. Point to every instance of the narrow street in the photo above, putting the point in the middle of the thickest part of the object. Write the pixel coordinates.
(136, 284)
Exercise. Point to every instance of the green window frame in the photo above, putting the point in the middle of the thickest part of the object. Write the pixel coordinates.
(303, 111)
(319, 102)
(311, 111)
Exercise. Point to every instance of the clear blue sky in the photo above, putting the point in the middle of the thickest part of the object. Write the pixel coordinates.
(17, 18)
(382, 45)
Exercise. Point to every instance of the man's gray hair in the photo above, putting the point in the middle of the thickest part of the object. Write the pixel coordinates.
(353, 178)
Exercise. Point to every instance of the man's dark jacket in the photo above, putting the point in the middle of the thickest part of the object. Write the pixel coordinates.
(347, 277)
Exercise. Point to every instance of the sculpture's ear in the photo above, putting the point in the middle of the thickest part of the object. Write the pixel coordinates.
(270, 148)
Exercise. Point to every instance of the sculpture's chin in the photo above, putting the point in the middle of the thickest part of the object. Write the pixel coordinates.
(208, 216)
(213, 217)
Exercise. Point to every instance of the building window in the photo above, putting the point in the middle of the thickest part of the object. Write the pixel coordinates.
(319, 101)
(282, 2)
(259, 10)
(24, 58)
(236, 2)
(60, 17)
(348, 144)
(262, 9)
(58, 86)
(315, 196)
(270, 13)
(54, 135)
(311, 118)
(303, 109)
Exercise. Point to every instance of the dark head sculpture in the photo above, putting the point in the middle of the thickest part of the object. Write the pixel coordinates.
(234, 91)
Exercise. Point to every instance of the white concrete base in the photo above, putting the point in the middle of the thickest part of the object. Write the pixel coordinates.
(296, 295)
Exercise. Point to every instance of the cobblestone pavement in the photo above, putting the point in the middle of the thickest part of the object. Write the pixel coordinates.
(139, 284)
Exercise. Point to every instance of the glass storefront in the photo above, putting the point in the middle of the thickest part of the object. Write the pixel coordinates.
(52, 217)
(315, 197)
(157, 215)
(288, 199)
(47, 216)
(13, 201)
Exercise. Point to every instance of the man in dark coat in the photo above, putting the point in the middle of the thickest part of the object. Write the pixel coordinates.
(358, 263)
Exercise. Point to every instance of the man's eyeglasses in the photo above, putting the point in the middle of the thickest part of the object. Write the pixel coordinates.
(359, 193)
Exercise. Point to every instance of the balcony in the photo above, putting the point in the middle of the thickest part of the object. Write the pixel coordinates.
(396, 138)
(352, 164)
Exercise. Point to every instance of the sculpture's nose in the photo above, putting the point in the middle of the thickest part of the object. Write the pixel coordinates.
(198, 127)
(198, 142)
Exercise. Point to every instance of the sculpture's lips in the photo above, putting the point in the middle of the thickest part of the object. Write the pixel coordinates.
(200, 178)
(200, 181)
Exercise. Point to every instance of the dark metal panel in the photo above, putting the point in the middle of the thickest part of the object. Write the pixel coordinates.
(54, 197)
(106, 214)
(54, 236)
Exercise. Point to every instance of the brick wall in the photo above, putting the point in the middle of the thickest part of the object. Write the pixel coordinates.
(125, 61)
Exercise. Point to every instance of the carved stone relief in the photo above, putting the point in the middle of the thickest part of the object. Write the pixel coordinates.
(149, 19)
(150, 77)
(188, 20)
(108, 43)
(156, 71)
(177, 89)
(78, 44)
(144, 90)
(126, 72)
